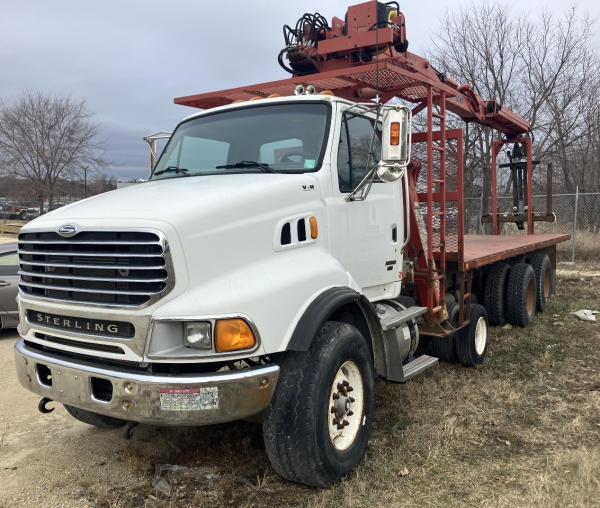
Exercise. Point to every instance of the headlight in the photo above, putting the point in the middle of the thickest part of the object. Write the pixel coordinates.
(179, 338)
(198, 335)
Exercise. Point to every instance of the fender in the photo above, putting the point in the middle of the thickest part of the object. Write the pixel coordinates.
(321, 308)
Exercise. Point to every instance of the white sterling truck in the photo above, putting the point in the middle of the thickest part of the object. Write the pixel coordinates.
(294, 242)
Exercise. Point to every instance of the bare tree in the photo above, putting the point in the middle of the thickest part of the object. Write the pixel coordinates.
(46, 138)
(546, 69)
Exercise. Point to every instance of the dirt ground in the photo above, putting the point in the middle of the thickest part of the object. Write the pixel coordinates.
(522, 430)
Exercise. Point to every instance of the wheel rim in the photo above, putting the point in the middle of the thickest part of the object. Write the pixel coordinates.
(480, 336)
(530, 298)
(346, 401)
(547, 285)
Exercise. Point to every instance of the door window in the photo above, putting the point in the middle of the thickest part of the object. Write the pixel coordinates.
(353, 151)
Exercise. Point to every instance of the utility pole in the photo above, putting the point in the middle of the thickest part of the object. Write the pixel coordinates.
(85, 169)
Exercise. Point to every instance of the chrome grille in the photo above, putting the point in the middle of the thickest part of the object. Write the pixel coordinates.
(120, 268)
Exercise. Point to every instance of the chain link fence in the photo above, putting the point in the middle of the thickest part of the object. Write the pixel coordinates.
(576, 214)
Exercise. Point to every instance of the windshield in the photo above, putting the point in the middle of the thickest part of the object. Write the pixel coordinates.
(282, 138)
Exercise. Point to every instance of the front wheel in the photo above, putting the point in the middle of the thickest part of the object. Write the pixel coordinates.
(317, 426)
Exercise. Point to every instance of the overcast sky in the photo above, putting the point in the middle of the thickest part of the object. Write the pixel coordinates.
(128, 59)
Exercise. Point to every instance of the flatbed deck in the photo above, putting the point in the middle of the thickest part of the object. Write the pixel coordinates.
(481, 250)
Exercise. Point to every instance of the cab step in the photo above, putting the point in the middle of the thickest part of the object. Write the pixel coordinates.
(394, 318)
(418, 365)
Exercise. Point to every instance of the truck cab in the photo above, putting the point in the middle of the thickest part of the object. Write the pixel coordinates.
(185, 299)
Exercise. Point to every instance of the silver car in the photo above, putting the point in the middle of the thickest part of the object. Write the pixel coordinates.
(9, 285)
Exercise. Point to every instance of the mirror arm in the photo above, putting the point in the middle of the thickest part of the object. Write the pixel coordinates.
(407, 211)
(364, 187)
(362, 190)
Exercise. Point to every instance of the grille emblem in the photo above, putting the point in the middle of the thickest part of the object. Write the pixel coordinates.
(67, 230)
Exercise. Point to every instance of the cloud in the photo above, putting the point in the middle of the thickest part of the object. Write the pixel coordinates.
(129, 59)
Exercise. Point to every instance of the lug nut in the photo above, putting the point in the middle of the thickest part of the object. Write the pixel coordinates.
(127, 405)
(128, 388)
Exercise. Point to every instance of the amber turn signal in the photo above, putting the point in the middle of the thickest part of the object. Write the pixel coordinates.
(395, 133)
(233, 334)
(314, 227)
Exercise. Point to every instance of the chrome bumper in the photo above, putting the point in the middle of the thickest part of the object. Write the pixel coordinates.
(200, 399)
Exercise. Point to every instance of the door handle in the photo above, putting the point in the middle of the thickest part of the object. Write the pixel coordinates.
(4, 284)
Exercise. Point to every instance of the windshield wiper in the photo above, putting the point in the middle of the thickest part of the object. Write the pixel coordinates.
(247, 164)
(172, 169)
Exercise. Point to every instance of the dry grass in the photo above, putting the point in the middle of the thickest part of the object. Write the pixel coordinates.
(587, 247)
(522, 430)
(5, 238)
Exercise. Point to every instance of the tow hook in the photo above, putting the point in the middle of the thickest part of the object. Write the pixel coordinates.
(42, 406)
(128, 430)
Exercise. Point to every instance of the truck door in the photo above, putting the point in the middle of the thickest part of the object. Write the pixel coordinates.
(9, 284)
(366, 236)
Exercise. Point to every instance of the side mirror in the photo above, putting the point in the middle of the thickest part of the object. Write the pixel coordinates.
(395, 143)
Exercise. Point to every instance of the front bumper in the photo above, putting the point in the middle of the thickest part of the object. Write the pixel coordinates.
(198, 399)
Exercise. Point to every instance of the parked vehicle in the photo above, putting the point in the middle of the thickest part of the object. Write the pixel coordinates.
(292, 243)
(9, 285)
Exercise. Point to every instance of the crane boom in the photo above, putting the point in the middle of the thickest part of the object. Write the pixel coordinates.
(360, 59)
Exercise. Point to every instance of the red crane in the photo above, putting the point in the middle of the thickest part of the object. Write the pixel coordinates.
(366, 57)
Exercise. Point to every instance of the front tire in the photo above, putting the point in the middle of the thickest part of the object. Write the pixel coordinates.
(317, 426)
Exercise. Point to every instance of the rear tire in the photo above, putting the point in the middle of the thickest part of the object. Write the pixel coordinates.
(472, 340)
(521, 295)
(544, 279)
(301, 424)
(95, 419)
(494, 294)
(445, 348)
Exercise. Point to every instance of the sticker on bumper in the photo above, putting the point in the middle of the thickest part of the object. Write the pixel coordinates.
(189, 399)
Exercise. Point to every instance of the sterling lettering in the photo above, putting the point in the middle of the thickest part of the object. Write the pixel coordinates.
(91, 326)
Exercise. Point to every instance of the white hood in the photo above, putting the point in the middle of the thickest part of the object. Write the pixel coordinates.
(193, 198)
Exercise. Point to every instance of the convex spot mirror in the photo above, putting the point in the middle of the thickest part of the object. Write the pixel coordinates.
(395, 143)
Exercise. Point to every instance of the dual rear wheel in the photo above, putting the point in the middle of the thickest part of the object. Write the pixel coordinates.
(513, 293)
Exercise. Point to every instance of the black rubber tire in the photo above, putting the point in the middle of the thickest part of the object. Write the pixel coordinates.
(521, 258)
(521, 295)
(445, 348)
(544, 279)
(295, 424)
(466, 349)
(95, 419)
(494, 294)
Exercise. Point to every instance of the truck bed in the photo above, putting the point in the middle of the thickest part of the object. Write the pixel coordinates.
(481, 250)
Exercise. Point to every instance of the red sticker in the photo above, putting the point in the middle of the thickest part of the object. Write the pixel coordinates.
(179, 390)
